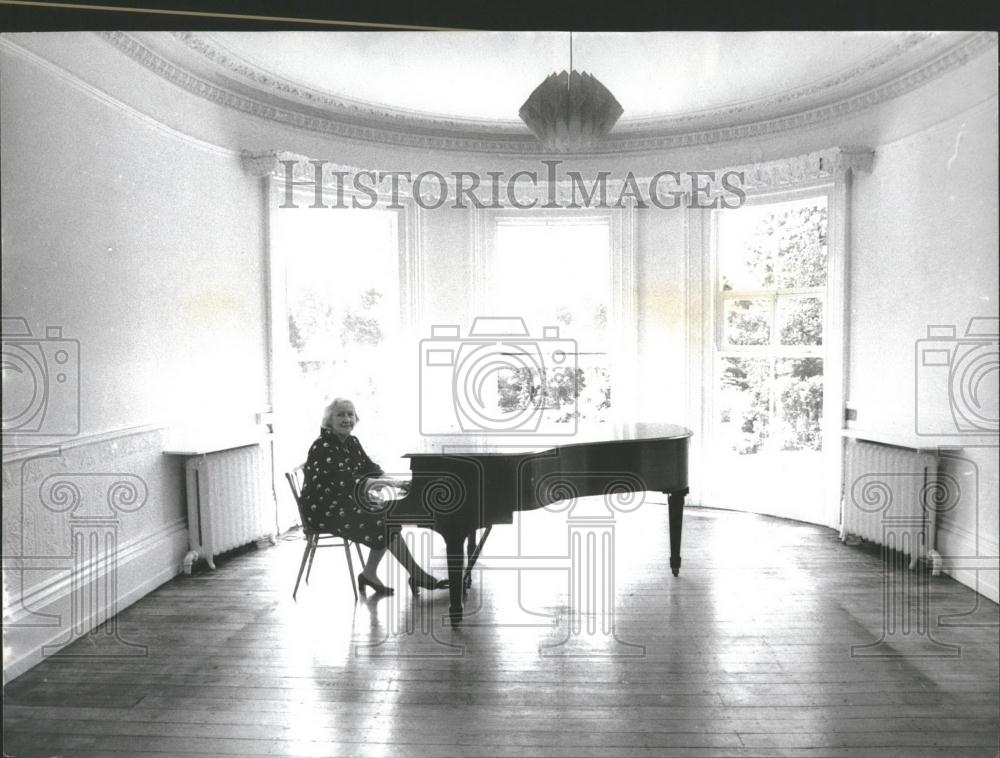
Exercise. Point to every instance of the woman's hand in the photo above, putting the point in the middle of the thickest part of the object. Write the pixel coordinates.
(402, 485)
(380, 490)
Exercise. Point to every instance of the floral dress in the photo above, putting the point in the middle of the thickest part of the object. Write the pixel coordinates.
(333, 471)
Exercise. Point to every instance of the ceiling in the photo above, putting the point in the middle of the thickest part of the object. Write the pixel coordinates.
(487, 76)
(464, 84)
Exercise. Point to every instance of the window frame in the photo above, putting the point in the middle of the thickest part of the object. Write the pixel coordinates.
(622, 318)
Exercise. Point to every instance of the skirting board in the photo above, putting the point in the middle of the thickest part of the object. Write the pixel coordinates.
(31, 635)
(979, 570)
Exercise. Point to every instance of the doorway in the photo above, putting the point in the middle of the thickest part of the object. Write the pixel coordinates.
(768, 443)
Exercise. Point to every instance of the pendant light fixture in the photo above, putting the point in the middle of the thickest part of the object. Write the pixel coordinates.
(570, 111)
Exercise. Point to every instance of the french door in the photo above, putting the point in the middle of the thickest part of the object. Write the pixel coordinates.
(771, 425)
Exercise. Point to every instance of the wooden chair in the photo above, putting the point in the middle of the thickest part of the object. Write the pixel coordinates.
(315, 539)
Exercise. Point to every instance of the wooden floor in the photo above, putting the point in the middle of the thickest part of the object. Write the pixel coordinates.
(747, 653)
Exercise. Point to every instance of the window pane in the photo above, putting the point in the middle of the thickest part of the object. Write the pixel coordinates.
(341, 278)
(537, 272)
(581, 392)
(744, 404)
(595, 395)
(743, 264)
(537, 275)
(343, 315)
(799, 403)
(780, 245)
(799, 238)
(748, 322)
(800, 320)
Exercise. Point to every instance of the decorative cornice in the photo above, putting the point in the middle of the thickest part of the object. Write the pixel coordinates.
(341, 106)
(133, 48)
(219, 55)
(368, 124)
(811, 168)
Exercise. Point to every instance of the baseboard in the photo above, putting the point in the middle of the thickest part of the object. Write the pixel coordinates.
(33, 633)
(976, 569)
(53, 590)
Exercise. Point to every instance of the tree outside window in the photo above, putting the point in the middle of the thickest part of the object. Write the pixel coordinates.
(773, 271)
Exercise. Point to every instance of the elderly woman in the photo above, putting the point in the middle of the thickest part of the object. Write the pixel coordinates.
(336, 471)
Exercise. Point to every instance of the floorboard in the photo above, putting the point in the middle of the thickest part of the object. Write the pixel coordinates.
(747, 653)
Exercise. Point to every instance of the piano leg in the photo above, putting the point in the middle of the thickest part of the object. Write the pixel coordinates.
(676, 514)
(455, 544)
(470, 559)
(474, 551)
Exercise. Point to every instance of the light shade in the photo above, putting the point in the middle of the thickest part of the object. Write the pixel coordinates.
(570, 112)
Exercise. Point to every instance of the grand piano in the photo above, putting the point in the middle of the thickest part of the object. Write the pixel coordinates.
(459, 492)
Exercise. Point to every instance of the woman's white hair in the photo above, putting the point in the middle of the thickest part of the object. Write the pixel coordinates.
(332, 409)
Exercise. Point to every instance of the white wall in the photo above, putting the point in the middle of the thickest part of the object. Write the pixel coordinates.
(146, 249)
(925, 253)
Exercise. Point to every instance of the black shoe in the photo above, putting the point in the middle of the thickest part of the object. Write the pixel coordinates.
(430, 583)
(378, 589)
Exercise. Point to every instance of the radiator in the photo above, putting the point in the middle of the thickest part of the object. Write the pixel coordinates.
(889, 498)
(227, 507)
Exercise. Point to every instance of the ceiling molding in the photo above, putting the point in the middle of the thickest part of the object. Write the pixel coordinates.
(338, 105)
(289, 104)
(757, 109)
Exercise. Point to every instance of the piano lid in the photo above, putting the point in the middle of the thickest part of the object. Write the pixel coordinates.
(653, 430)
(528, 444)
